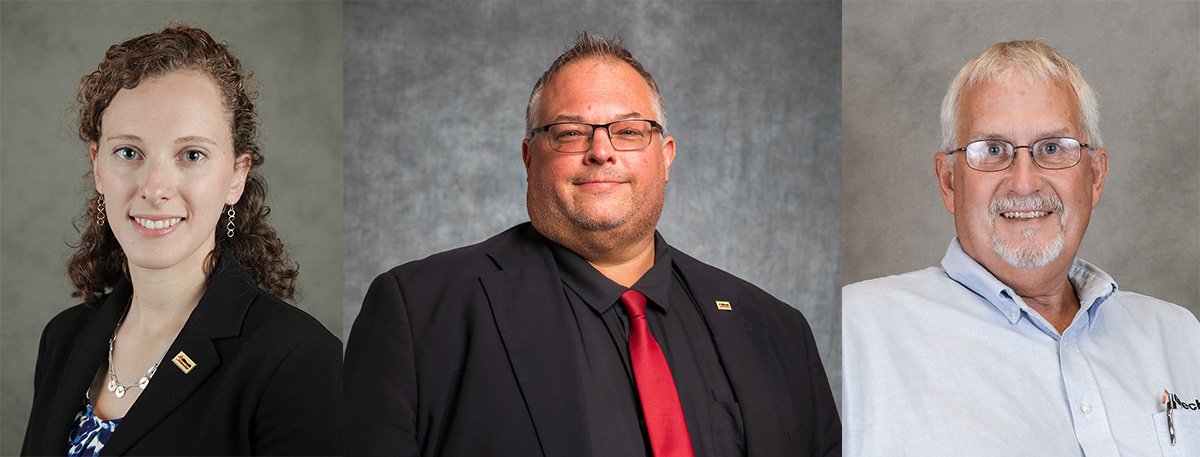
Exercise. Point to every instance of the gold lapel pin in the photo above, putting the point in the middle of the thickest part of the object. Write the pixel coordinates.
(724, 306)
(184, 362)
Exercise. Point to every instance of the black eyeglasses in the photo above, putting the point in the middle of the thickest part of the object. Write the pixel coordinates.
(998, 155)
(625, 134)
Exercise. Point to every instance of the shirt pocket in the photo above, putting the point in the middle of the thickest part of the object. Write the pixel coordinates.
(1187, 433)
(727, 429)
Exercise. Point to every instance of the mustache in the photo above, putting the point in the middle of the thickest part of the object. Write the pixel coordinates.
(1037, 202)
(605, 174)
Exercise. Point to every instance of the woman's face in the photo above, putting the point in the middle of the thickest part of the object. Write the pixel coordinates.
(166, 168)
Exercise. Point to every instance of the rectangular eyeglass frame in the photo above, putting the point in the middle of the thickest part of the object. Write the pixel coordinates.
(546, 128)
(1032, 155)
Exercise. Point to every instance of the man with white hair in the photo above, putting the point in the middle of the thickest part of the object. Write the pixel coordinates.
(1014, 346)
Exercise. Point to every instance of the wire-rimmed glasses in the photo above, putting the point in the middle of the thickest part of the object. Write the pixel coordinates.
(997, 155)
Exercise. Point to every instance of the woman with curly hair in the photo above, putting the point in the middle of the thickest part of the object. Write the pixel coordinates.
(182, 344)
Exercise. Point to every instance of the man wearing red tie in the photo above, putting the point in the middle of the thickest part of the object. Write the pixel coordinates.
(582, 332)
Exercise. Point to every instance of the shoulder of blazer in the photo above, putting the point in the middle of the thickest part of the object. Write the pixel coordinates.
(234, 306)
(502, 251)
(65, 326)
(700, 274)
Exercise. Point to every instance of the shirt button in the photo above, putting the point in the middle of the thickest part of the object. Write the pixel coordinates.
(1013, 315)
(1087, 409)
(1064, 343)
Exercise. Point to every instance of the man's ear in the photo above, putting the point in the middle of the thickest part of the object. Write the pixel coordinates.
(943, 169)
(1099, 172)
(525, 155)
(668, 152)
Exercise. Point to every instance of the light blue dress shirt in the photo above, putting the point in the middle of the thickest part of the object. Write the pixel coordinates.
(951, 362)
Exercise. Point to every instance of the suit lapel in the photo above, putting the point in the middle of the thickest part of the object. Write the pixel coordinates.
(532, 315)
(742, 341)
(89, 351)
(169, 388)
(218, 315)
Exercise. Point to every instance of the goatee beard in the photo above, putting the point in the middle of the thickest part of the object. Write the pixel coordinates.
(1025, 253)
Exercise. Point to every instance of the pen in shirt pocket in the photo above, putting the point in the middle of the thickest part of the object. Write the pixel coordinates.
(1169, 400)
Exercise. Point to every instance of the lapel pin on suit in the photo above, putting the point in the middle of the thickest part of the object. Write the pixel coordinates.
(724, 306)
(184, 362)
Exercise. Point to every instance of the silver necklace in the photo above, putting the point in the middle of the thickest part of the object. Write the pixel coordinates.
(117, 388)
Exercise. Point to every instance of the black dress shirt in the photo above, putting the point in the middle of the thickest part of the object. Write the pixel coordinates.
(476, 351)
(613, 411)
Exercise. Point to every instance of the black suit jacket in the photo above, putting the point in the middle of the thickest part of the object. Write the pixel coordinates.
(468, 353)
(267, 378)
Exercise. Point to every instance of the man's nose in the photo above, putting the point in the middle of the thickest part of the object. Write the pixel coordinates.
(1025, 176)
(601, 149)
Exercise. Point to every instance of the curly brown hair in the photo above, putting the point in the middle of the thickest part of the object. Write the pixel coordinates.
(99, 261)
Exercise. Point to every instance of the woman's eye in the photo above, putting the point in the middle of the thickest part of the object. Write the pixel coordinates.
(126, 153)
(193, 156)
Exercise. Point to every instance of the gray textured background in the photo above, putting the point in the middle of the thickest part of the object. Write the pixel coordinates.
(435, 99)
(1143, 59)
(295, 50)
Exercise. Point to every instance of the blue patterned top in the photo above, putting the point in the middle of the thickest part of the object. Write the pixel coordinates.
(90, 432)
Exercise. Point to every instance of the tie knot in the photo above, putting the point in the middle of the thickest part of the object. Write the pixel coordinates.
(635, 303)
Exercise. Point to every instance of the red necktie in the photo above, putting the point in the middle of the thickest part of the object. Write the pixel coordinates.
(656, 388)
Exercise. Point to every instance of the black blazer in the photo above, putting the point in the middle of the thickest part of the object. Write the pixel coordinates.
(467, 353)
(267, 378)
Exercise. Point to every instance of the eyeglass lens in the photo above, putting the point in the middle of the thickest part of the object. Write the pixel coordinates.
(1050, 153)
(577, 137)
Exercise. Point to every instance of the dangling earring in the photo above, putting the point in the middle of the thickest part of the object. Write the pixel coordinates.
(230, 226)
(100, 209)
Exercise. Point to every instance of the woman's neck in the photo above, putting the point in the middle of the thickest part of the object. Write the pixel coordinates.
(163, 299)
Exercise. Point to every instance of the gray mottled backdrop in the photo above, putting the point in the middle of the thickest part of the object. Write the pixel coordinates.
(295, 49)
(1142, 58)
(435, 99)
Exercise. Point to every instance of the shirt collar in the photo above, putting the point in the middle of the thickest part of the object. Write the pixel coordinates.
(601, 293)
(656, 283)
(1092, 285)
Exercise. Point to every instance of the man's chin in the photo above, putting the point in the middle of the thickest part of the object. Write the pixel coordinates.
(1028, 254)
(597, 225)
(597, 219)
(572, 229)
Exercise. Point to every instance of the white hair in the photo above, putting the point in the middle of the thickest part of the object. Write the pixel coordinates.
(1036, 62)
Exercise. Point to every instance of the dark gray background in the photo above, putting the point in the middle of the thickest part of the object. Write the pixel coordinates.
(295, 50)
(435, 101)
(1142, 58)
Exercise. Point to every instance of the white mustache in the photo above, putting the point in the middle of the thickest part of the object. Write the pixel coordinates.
(1037, 202)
